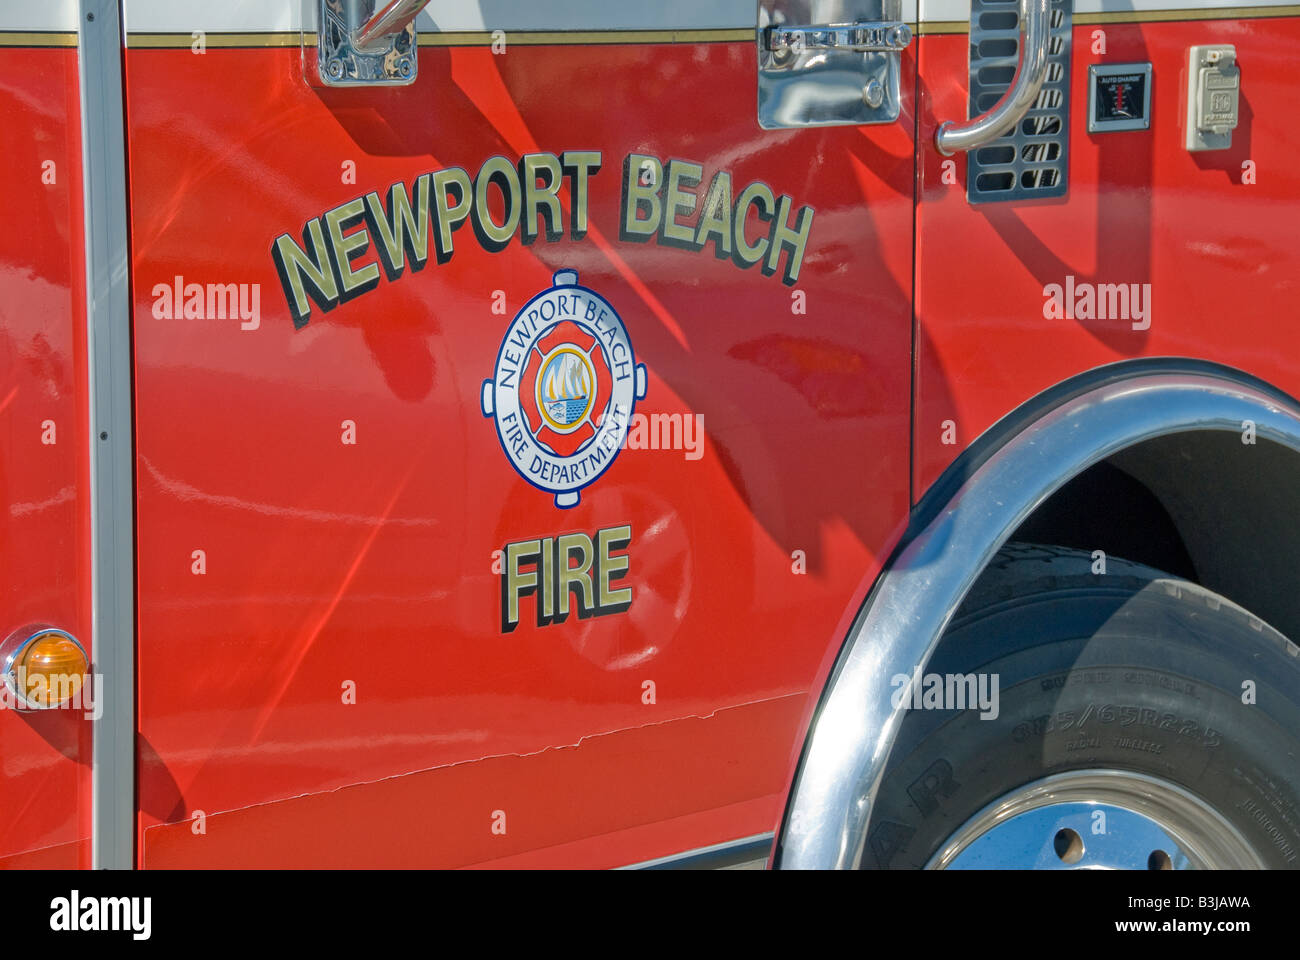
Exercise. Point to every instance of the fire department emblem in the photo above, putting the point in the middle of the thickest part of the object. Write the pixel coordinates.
(564, 388)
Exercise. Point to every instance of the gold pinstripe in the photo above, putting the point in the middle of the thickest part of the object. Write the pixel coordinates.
(285, 38)
(476, 38)
(34, 38)
(537, 38)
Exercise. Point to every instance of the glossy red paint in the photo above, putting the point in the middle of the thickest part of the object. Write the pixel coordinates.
(372, 563)
(328, 565)
(1220, 254)
(44, 503)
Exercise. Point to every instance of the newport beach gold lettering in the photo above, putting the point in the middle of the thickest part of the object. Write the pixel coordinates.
(503, 200)
(353, 247)
(666, 202)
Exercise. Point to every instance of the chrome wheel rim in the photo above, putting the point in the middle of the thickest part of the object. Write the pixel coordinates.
(1097, 820)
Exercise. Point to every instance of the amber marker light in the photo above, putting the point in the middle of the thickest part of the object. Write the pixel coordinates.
(44, 667)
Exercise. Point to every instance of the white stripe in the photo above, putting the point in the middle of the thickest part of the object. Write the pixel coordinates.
(219, 16)
(266, 16)
(47, 15)
(234, 16)
(589, 14)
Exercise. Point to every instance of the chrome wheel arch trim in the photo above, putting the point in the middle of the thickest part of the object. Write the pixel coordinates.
(717, 856)
(907, 610)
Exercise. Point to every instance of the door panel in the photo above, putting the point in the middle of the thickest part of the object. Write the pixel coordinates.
(45, 756)
(1210, 233)
(322, 507)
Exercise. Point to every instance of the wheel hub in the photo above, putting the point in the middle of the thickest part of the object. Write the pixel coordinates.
(1097, 820)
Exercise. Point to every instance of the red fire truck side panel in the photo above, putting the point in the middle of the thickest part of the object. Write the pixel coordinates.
(333, 571)
(44, 525)
(338, 664)
(1214, 234)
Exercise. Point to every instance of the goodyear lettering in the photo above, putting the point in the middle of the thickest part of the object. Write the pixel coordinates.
(566, 573)
(353, 247)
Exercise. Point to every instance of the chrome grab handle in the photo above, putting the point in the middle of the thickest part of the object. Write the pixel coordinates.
(375, 34)
(1020, 96)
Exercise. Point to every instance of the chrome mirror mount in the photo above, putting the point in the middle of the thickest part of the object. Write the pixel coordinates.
(367, 42)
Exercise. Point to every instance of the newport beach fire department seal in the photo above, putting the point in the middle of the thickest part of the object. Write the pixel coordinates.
(564, 388)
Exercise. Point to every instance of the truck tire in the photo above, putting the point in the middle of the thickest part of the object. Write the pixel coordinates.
(1166, 708)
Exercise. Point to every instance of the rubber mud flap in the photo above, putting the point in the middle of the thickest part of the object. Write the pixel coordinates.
(1128, 669)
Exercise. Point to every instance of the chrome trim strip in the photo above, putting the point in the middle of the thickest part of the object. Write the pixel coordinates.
(108, 333)
(714, 857)
(905, 615)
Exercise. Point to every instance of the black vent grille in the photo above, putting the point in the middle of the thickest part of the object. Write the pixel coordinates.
(1033, 160)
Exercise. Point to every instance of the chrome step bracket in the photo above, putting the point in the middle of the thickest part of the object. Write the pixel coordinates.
(367, 42)
(841, 73)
